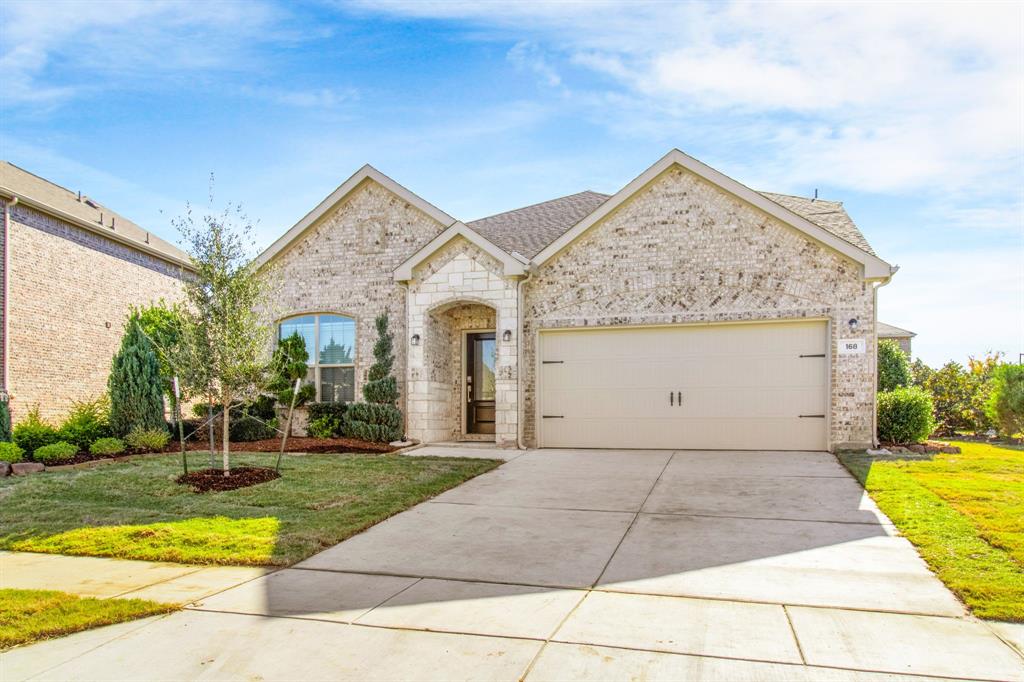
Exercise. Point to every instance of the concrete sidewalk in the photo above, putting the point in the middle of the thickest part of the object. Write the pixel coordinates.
(564, 565)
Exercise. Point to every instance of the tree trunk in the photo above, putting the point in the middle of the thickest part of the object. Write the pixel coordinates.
(226, 440)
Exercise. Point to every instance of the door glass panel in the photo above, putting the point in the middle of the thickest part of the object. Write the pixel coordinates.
(337, 384)
(484, 357)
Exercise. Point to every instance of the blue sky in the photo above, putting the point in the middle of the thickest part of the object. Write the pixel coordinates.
(911, 114)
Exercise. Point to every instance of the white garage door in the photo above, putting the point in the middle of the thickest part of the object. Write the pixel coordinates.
(733, 387)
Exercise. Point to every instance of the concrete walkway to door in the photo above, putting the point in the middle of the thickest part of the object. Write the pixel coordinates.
(584, 565)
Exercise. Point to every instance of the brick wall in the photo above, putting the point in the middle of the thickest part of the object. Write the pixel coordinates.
(70, 290)
(683, 250)
(344, 264)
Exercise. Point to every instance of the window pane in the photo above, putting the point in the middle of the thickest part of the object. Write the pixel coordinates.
(305, 327)
(337, 384)
(337, 340)
(485, 356)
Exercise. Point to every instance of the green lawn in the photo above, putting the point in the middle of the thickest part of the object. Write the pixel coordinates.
(135, 510)
(30, 615)
(965, 515)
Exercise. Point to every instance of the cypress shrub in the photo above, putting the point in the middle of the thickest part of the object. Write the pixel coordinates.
(135, 385)
(378, 418)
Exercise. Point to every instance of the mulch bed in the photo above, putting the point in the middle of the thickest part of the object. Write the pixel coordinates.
(295, 444)
(214, 480)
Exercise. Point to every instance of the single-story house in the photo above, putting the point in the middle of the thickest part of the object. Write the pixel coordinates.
(684, 311)
(71, 269)
(900, 336)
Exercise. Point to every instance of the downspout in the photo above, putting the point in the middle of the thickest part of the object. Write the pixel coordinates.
(874, 345)
(405, 345)
(8, 205)
(520, 341)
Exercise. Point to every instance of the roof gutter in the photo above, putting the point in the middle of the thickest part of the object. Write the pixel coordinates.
(86, 225)
(5, 388)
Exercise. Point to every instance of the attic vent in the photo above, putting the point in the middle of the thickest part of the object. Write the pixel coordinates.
(90, 202)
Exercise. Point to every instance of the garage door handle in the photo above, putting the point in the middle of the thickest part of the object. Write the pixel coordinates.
(553, 416)
(813, 355)
(552, 362)
(670, 398)
(812, 416)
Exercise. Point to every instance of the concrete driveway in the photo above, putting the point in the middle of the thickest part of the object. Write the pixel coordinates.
(583, 565)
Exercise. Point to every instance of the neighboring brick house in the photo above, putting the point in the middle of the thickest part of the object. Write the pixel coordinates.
(900, 336)
(685, 311)
(71, 270)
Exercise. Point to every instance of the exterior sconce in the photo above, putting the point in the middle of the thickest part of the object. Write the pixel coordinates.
(415, 340)
(506, 335)
(854, 324)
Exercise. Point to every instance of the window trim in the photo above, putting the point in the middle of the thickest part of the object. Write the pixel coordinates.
(315, 356)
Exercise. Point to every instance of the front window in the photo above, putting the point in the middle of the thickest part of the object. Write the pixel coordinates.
(330, 343)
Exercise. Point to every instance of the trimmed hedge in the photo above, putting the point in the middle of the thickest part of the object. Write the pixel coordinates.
(55, 453)
(10, 452)
(905, 415)
(107, 446)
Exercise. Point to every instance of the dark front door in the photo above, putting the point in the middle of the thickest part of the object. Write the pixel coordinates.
(481, 353)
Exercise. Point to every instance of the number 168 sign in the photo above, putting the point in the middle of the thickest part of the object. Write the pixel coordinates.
(851, 346)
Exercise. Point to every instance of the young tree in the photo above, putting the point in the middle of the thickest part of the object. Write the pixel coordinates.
(224, 336)
(135, 386)
(893, 367)
(378, 418)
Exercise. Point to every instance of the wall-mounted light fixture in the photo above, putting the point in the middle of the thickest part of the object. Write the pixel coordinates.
(506, 335)
(415, 340)
(854, 323)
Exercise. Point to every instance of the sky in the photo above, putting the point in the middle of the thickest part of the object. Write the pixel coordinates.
(911, 114)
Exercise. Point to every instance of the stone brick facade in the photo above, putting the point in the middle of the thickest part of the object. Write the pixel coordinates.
(70, 291)
(343, 264)
(682, 250)
(459, 288)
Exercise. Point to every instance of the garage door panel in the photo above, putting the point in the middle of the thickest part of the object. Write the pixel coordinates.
(743, 387)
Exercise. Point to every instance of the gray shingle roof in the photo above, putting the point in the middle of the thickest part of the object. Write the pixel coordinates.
(529, 229)
(52, 195)
(829, 215)
(888, 331)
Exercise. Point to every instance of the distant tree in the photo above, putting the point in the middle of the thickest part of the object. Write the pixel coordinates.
(980, 374)
(920, 373)
(893, 367)
(1006, 400)
(951, 394)
(135, 386)
(224, 334)
(378, 418)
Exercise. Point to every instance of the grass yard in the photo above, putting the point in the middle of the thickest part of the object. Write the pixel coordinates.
(135, 510)
(965, 515)
(31, 615)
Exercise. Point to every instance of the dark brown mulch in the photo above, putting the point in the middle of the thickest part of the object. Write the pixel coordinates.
(315, 445)
(214, 480)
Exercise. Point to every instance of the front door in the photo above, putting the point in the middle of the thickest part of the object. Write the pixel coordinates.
(481, 353)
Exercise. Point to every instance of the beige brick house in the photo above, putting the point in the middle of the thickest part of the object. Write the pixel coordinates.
(71, 269)
(684, 311)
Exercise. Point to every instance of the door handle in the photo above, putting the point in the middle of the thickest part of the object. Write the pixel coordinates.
(679, 398)
(670, 399)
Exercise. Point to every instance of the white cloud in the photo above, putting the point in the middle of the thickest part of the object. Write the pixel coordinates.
(960, 303)
(111, 42)
(873, 96)
(527, 56)
(317, 98)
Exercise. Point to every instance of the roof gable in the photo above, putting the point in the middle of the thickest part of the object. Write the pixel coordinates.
(364, 174)
(874, 267)
(512, 266)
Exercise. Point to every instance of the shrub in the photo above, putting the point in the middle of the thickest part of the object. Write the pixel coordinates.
(893, 366)
(951, 392)
(148, 440)
(920, 373)
(107, 446)
(32, 432)
(378, 419)
(334, 410)
(288, 364)
(255, 420)
(87, 422)
(1006, 403)
(10, 452)
(136, 389)
(905, 415)
(55, 453)
(244, 428)
(327, 420)
(5, 420)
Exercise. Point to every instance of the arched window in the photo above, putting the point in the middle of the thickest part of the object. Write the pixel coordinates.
(331, 344)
